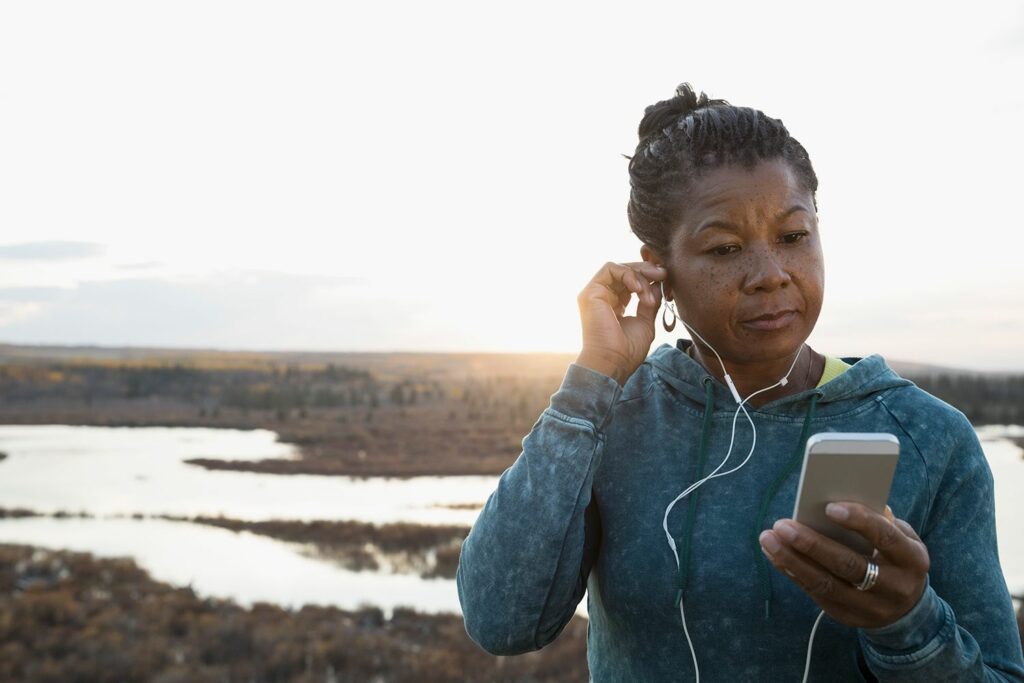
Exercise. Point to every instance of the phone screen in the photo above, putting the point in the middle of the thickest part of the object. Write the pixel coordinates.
(838, 466)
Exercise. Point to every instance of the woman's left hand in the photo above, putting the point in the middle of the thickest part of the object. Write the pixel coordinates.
(829, 571)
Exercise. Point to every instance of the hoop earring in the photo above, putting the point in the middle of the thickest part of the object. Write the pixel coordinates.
(668, 327)
(665, 307)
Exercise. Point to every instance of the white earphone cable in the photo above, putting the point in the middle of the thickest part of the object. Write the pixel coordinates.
(715, 473)
(810, 644)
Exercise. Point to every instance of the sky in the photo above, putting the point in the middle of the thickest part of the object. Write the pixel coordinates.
(448, 176)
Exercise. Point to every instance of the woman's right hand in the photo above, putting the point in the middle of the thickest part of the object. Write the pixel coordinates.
(612, 344)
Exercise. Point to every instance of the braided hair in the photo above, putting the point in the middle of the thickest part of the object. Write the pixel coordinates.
(683, 138)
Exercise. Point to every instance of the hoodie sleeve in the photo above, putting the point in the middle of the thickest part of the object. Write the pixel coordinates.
(523, 567)
(963, 628)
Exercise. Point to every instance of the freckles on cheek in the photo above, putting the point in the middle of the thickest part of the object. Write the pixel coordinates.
(720, 280)
(713, 294)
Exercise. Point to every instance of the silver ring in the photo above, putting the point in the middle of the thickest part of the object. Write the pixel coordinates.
(870, 577)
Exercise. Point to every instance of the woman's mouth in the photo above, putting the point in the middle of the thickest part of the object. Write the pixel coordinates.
(774, 321)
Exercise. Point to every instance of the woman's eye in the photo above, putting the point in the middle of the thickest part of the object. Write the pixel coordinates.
(722, 250)
(794, 237)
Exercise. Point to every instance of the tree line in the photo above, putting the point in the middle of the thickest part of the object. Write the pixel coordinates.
(984, 398)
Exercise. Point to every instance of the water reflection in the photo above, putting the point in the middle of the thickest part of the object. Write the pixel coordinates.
(242, 566)
(106, 470)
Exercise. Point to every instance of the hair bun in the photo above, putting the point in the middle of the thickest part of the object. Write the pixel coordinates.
(687, 99)
(665, 113)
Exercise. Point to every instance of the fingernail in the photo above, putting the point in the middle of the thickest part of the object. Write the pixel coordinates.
(837, 511)
(786, 530)
(769, 542)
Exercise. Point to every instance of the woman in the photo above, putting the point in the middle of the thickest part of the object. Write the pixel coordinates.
(723, 200)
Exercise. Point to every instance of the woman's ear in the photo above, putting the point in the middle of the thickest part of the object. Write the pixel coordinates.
(647, 253)
(650, 255)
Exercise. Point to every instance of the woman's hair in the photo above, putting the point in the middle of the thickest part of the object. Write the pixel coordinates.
(683, 138)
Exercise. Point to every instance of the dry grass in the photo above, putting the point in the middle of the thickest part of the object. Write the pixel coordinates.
(70, 617)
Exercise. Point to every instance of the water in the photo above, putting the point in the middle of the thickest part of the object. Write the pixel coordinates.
(121, 471)
(126, 470)
(1004, 457)
(243, 566)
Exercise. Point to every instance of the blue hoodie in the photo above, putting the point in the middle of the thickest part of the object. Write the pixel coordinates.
(582, 506)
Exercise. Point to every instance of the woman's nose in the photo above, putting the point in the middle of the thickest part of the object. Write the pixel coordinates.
(767, 271)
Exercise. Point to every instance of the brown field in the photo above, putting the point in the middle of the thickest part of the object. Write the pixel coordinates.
(69, 617)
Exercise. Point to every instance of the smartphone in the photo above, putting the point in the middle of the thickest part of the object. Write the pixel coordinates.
(845, 466)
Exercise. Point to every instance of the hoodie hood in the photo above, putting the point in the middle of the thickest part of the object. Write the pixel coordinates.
(687, 377)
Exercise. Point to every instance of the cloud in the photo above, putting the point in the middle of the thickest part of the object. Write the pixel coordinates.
(237, 309)
(54, 250)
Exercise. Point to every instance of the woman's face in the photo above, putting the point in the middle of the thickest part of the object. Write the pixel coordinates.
(747, 245)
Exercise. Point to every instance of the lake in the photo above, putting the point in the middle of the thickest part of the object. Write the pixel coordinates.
(113, 473)
(126, 470)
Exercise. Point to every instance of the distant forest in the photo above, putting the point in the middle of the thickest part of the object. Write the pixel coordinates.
(270, 387)
(294, 388)
(984, 399)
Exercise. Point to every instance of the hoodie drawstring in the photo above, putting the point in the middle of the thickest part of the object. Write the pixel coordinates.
(691, 508)
(794, 461)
